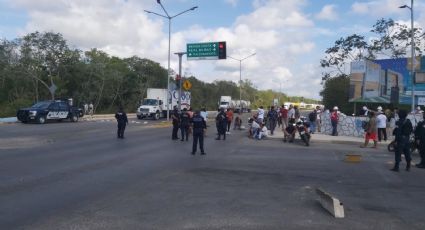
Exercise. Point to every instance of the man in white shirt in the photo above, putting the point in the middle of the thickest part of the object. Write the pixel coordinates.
(291, 112)
(262, 133)
(204, 114)
(381, 121)
(319, 117)
(254, 128)
(260, 116)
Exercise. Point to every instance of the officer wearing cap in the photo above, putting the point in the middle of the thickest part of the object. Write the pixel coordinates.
(402, 134)
(221, 123)
(199, 127)
(176, 121)
(122, 120)
(184, 124)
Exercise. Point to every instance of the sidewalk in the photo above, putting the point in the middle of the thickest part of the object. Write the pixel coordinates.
(97, 117)
(321, 138)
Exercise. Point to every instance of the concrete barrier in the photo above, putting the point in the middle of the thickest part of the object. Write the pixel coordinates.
(330, 203)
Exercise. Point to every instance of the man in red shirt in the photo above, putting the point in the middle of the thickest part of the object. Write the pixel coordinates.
(334, 121)
(284, 116)
(229, 115)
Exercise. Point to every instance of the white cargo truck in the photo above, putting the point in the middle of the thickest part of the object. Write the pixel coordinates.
(155, 104)
(225, 102)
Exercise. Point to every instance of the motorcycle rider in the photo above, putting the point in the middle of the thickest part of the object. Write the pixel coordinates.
(302, 129)
(289, 132)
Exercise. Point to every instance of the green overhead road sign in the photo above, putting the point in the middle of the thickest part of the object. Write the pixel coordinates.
(206, 51)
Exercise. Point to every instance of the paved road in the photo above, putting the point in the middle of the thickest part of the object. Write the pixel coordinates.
(79, 176)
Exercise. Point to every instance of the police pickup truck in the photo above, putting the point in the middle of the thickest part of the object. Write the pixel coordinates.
(49, 110)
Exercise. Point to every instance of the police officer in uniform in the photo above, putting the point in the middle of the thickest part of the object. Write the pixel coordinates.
(122, 120)
(176, 121)
(221, 122)
(184, 124)
(199, 127)
(402, 135)
(420, 139)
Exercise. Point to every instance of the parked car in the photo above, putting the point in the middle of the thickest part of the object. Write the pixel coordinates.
(43, 111)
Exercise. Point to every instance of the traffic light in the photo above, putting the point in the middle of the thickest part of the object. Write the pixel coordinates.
(178, 80)
(222, 50)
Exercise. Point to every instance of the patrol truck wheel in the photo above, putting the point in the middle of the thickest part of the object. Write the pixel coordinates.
(74, 118)
(41, 119)
(156, 116)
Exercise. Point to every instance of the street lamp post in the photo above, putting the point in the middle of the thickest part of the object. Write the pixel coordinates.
(240, 77)
(167, 16)
(412, 43)
(180, 54)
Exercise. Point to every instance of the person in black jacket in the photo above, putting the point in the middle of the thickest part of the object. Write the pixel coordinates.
(420, 139)
(272, 116)
(402, 135)
(199, 127)
(176, 121)
(122, 120)
(221, 122)
(184, 124)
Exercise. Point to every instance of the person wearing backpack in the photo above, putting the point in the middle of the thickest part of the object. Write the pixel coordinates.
(221, 122)
(402, 136)
(312, 120)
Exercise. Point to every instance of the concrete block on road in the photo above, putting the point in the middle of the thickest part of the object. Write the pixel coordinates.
(330, 203)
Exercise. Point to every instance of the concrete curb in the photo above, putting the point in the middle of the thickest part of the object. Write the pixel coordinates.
(321, 140)
(330, 203)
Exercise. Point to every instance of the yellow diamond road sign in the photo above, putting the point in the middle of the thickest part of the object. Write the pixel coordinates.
(187, 85)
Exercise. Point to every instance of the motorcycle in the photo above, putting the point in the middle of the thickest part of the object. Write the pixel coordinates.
(413, 145)
(303, 132)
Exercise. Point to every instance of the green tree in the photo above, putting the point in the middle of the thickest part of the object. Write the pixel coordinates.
(42, 55)
(335, 93)
(393, 39)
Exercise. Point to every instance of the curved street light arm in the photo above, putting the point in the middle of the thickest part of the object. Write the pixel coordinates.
(193, 8)
(150, 12)
(168, 16)
(234, 58)
(249, 56)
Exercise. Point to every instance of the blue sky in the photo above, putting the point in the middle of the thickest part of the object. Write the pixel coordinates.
(288, 36)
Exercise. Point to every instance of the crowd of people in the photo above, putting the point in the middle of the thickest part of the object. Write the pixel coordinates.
(288, 119)
(264, 123)
(380, 123)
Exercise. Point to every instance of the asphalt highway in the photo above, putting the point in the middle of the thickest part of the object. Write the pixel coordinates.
(80, 176)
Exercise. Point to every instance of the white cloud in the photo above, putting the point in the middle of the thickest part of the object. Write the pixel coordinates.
(328, 13)
(233, 3)
(378, 8)
(301, 48)
(360, 8)
(275, 14)
(278, 31)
